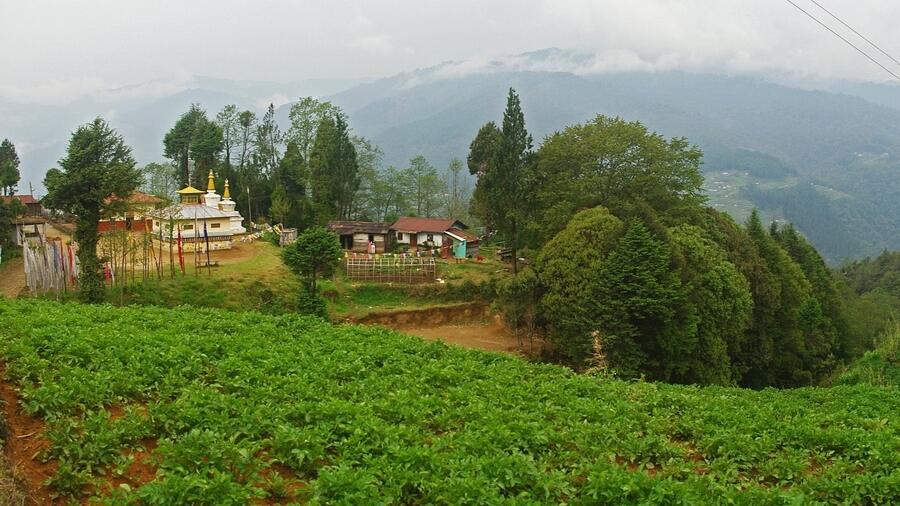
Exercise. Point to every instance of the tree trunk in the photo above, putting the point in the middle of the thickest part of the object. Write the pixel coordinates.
(515, 250)
(91, 277)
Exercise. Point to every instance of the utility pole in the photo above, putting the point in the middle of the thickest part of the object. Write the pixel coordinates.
(249, 214)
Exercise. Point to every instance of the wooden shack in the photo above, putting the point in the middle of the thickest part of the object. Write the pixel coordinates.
(357, 235)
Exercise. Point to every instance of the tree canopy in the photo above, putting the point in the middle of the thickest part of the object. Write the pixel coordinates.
(9, 168)
(98, 165)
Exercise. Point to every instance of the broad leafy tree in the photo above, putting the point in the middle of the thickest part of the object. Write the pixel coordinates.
(458, 191)
(98, 165)
(616, 164)
(193, 138)
(267, 143)
(160, 180)
(426, 187)
(9, 167)
(305, 115)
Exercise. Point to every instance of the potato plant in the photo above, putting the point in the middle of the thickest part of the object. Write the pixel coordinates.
(238, 407)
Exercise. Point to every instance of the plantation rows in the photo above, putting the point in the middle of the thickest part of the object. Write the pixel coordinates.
(237, 407)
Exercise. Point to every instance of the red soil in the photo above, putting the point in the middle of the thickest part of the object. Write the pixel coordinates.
(23, 447)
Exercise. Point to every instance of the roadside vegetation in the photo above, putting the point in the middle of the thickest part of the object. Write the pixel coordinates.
(173, 406)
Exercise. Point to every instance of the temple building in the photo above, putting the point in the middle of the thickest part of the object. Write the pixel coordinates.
(201, 218)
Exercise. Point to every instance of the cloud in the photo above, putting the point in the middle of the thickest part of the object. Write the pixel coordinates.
(381, 44)
(71, 49)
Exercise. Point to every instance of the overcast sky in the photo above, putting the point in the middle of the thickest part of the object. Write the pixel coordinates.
(60, 49)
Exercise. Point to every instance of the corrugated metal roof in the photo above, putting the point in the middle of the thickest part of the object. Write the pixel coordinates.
(24, 199)
(468, 237)
(190, 212)
(359, 227)
(411, 224)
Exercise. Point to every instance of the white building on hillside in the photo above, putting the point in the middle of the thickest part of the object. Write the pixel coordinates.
(200, 218)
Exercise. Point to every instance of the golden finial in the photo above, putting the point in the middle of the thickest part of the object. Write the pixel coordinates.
(212, 183)
(226, 194)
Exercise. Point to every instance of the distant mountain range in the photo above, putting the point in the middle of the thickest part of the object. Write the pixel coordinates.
(827, 159)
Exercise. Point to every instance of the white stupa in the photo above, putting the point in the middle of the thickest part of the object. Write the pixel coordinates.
(228, 207)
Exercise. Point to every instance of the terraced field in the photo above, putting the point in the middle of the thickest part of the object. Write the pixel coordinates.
(143, 405)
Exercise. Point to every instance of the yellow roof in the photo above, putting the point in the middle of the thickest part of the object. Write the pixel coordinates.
(226, 194)
(211, 185)
(189, 190)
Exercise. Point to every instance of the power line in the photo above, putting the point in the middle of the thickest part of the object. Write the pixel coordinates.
(854, 46)
(863, 37)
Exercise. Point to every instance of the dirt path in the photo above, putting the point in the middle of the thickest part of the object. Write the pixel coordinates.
(491, 337)
(12, 277)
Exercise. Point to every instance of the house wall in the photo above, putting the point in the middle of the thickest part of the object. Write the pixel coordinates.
(31, 232)
(421, 238)
(361, 243)
(438, 238)
(224, 225)
(145, 225)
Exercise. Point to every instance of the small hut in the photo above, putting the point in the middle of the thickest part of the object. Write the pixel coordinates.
(363, 236)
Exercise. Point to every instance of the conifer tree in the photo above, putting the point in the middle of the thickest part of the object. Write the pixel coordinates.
(334, 170)
(9, 168)
(638, 293)
(503, 162)
(98, 165)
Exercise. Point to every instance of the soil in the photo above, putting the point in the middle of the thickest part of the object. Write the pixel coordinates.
(469, 325)
(12, 277)
(239, 252)
(25, 441)
(492, 336)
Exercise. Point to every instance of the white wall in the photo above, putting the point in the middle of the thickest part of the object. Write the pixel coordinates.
(421, 238)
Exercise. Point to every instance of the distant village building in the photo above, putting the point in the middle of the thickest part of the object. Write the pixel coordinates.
(200, 218)
(446, 233)
(137, 215)
(363, 236)
(30, 225)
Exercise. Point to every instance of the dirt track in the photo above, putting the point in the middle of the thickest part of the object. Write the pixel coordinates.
(12, 277)
(492, 337)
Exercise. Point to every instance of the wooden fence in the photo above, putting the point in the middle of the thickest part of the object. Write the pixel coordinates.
(392, 269)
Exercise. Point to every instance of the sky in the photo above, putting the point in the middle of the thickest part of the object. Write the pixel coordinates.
(54, 51)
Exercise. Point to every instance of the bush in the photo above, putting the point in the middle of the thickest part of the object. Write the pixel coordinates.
(312, 304)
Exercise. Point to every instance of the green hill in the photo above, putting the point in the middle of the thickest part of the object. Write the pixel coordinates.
(880, 366)
(217, 407)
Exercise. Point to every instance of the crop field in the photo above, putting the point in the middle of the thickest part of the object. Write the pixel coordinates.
(145, 405)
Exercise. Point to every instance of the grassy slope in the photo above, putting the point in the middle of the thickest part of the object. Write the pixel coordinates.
(364, 415)
(262, 282)
(880, 366)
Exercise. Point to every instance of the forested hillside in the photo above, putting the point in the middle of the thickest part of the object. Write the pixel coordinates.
(632, 274)
(823, 161)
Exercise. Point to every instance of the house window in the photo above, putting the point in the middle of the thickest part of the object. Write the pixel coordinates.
(215, 225)
(429, 238)
(399, 236)
(188, 227)
(371, 238)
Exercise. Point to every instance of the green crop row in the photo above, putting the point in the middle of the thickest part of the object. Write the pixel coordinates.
(234, 407)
